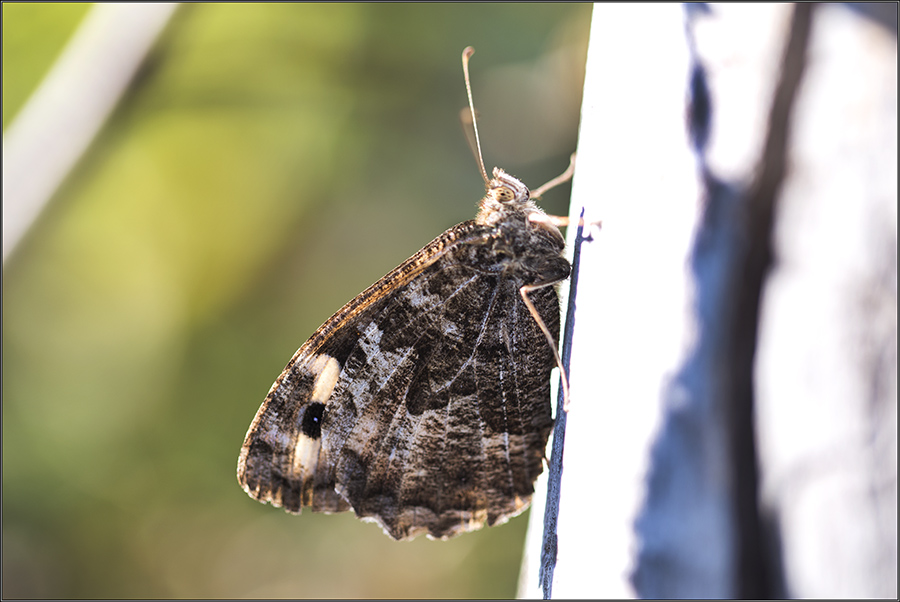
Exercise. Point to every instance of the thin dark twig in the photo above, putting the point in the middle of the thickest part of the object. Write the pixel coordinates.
(551, 510)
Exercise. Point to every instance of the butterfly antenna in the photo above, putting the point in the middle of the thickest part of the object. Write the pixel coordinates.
(465, 119)
(467, 53)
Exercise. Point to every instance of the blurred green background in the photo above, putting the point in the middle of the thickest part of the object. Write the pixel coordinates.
(269, 162)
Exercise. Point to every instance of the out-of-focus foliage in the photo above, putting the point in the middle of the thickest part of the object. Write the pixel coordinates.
(269, 163)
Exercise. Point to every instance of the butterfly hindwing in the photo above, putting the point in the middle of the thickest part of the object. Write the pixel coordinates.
(454, 436)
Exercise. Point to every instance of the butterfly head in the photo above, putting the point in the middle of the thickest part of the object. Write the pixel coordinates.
(505, 195)
(504, 189)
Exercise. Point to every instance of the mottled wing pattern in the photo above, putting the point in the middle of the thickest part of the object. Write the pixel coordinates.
(440, 426)
(424, 403)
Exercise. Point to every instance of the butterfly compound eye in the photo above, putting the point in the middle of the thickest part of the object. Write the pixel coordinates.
(504, 194)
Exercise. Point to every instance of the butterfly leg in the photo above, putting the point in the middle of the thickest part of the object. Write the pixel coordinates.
(560, 179)
(523, 291)
(561, 220)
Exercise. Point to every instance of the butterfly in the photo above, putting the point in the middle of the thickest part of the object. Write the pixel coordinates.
(424, 403)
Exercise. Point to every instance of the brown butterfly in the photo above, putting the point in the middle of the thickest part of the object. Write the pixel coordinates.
(424, 403)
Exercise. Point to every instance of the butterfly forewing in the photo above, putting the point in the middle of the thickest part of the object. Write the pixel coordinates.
(424, 403)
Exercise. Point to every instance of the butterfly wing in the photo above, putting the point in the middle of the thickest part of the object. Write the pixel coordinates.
(423, 404)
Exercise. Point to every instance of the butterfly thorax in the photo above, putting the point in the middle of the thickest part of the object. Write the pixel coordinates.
(526, 242)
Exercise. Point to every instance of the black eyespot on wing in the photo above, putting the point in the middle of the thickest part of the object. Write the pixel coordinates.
(311, 424)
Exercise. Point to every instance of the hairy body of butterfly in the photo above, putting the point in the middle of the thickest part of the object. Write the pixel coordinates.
(424, 403)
